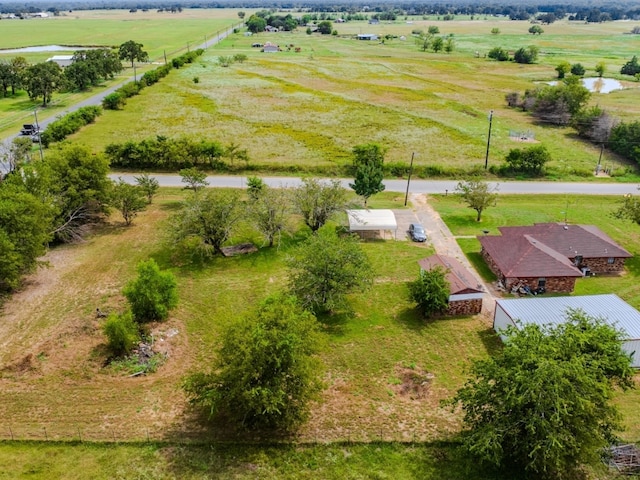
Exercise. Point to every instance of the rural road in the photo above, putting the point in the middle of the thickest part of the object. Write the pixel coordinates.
(416, 186)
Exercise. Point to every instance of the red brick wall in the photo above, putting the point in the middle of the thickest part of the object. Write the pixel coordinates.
(601, 265)
(553, 284)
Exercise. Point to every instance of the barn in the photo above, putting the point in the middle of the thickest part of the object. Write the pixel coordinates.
(553, 310)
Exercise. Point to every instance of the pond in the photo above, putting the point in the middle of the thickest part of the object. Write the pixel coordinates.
(46, 48)
(599, 84)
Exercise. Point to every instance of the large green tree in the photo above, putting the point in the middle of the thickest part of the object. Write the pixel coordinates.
(208, 221)
(325, 268)
(477, 195)
(431, 291)
(42, 79)
(369, 167)
(270, 209)
(542, 405)
(266, 371)
(318, 201)
(78, 185)
(256, 24)
(131, 51)
(25, 224)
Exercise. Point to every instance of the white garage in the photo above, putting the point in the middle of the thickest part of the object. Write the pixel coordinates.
(553, 310)
(373, 221)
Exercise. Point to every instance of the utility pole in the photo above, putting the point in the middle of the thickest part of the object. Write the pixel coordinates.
(600, 158)
(165, 57)
(35, 114)
(135, 75)
(486, 158)
(406, 196)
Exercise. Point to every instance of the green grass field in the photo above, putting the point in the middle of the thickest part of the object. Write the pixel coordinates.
(160, 33)
(310, 108)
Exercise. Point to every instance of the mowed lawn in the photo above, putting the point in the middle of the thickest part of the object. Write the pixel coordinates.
(54, 384)
(309, 108)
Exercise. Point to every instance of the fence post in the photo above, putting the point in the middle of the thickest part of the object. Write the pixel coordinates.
(45, 434)
(11, 432)
(79, 434)
(147, 435)
(114, 435)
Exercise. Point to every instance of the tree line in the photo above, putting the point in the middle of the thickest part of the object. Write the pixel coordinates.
(566, 104)
(88, 68)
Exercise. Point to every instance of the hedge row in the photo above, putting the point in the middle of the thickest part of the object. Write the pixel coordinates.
(59, 129)
(118, 99)
(162, 153)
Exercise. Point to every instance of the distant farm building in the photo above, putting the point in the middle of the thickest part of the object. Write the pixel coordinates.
(62, 60)
(270, 48)
(465, 297)
(554, 310)
(367, 36)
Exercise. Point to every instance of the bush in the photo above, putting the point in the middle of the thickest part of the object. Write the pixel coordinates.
(526, 55)
(530, 160)
(498, 53)
(152, 294)
(114, 101)
(431, 291)
(122, 333)
(577, 69)
(130, 89)
(71, 123)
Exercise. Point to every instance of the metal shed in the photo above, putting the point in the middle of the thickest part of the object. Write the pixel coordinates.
(372, 221)
(553, 311)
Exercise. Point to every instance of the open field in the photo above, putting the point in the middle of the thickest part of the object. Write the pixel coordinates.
(308, 109)
(54, 385)
(160, 33)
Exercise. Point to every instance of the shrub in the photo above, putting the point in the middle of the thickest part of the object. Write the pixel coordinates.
(152, 294)
(529, 160)
(431, 291)
(196, 79)
(59, 129)
(498, 53)
(577, 69)
(122, 333)
(114, 101)
(526, 55)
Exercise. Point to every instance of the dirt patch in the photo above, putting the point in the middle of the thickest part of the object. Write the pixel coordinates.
(415, 383)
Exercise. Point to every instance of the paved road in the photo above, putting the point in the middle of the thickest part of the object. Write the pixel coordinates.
(416, 186)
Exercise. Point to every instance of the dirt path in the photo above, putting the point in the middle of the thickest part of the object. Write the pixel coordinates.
(445, 243)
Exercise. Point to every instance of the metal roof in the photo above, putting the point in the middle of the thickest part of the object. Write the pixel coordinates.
(360, 220)
(553, 310)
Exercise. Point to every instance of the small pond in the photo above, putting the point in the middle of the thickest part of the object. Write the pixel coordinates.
(46, 48)
(599, 84)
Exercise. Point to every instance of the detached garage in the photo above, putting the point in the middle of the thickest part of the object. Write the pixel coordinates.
(553, 311)
(369, 223)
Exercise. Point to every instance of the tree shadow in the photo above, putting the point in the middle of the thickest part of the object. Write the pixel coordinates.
(334, 323)
(412, 319)
(490, 340)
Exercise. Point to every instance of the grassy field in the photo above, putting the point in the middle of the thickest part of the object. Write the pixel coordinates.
(160, 33)
(310, 108)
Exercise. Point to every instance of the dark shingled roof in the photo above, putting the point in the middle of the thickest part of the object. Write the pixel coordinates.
(523, 256)
(571, 240)
(459, 278)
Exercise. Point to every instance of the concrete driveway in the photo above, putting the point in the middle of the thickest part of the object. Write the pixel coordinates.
(404, 218)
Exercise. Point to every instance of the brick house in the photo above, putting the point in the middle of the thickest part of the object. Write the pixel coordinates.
(466, 293)
(551, 255)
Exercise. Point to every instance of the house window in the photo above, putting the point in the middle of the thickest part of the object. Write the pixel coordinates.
(542, 282)
(611, 260)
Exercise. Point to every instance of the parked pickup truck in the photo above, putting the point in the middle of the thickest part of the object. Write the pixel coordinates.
(29, 129)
